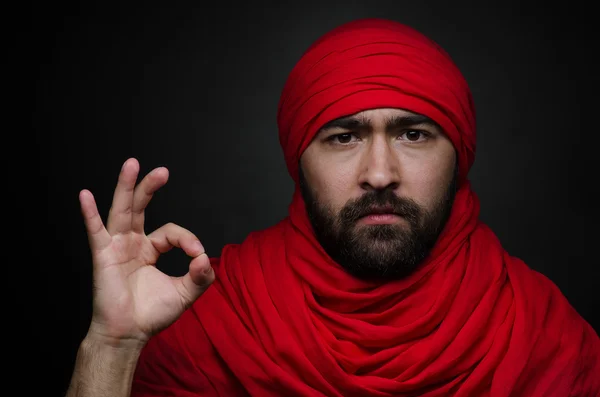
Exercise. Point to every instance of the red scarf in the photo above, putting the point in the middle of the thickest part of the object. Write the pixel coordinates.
(283, 319)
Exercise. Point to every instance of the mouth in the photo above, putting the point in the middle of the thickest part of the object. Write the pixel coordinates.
(380, 216)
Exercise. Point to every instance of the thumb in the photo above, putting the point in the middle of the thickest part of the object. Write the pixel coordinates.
(199, 277)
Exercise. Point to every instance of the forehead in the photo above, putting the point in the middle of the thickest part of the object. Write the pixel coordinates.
(381, 117)
(383, 113)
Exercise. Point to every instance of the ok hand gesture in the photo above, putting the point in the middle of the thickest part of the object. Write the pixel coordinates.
(133, 300)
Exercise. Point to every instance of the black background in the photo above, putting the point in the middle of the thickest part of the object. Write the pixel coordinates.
(195, 88)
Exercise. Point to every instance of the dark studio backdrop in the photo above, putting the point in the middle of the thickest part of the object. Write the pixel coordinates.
(195, 89)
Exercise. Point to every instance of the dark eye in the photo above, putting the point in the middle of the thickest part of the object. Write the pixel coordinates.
(341, 138)
(415, 136)
(344, 138)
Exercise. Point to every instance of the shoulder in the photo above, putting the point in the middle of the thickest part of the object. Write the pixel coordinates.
(561, 345)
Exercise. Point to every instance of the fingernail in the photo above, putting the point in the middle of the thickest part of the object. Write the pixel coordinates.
(199, 246)
(208, 270)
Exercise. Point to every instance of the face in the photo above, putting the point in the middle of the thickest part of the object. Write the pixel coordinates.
(378, 188)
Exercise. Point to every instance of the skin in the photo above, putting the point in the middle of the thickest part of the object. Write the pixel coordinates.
(133, 300)
(400, 157)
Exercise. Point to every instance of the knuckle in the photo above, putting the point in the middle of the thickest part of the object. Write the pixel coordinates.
(170, 225)
(177, 229)
(95, 228)
(148, 189)
(138, 210)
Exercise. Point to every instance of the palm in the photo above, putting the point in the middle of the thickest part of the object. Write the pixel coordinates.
(130, 291)
(132, 298)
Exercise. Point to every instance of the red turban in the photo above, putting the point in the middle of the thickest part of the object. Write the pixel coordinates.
(283, 319)
(368, 64)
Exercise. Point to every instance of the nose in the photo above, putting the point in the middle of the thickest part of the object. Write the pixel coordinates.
(379, 165)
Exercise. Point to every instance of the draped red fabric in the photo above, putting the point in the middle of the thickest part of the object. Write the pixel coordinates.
(283, 319)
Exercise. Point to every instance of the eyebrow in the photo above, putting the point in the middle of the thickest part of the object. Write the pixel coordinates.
(363, 123)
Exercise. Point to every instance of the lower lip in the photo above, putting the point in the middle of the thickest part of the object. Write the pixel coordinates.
(380, 219)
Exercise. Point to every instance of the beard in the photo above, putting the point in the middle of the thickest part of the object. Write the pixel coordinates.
(378, 252)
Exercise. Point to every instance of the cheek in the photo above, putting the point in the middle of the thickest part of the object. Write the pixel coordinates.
(334, 189)
(427, 180)
(332, 184)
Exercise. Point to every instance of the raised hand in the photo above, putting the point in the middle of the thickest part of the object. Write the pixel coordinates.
(133, 300)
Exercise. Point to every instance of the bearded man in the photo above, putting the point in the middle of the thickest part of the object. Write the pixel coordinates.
(381, 281)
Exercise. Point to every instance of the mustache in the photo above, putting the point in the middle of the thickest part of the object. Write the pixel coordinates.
(382, 199)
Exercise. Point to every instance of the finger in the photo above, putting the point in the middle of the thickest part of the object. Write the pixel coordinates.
(193, 284)
(119, 216)
(98, 236)
(200, 274)
(143, 194)
(171, 235)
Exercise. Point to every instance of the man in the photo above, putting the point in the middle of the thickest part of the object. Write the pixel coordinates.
(381, 281)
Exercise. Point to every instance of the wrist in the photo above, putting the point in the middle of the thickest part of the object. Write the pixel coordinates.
(100, 335)
(121, 356)
(98, 340)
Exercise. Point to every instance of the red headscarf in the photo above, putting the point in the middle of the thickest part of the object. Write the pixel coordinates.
(283, 319)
